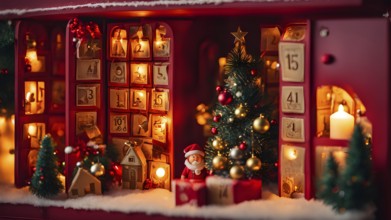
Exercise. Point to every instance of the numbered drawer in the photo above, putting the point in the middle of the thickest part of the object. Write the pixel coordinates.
(292, 99)
(119, 123)
(292, 129)
(292, 61)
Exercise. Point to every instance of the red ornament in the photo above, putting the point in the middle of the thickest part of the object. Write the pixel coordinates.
(243, 146)
(219, 89)
(273, 122)
(41, 177)
(6, 71)
(276, 164)
(216, 118)
(214, 131)
(253, 72)
(225, 98)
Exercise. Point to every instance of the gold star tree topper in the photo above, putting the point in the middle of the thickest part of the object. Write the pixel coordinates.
(239, 36)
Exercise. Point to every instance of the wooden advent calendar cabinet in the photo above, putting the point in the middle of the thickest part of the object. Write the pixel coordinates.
(318, 56)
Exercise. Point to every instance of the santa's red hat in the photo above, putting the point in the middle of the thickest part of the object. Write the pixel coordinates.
(193, 149)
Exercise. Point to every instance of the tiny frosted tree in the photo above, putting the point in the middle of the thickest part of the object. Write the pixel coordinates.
(45, 182)
(356, 180)
(328, 187)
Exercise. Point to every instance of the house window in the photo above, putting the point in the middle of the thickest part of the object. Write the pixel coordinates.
(131, 159)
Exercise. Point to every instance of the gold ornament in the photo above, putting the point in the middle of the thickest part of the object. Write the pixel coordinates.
(261, 124)
(254, 163)
(97, 169)
(218, 144)
(236, 172)
(219, 162)
(241, 111)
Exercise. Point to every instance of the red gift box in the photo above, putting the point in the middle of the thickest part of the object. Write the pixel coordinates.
(224, 191)
(189, 192)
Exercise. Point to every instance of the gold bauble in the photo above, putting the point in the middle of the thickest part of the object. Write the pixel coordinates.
(97, 169)
(261, 124)
(254, 163)
(219, 162)
(218, 144)
(236, 172)
(241, 111)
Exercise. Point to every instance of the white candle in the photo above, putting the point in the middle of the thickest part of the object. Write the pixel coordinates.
(341, 124)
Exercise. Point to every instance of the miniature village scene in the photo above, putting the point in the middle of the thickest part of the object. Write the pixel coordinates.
(195, 109)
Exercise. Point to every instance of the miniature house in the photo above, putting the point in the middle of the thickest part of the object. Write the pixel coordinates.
(155, 61)
(84, 183)
(134, 169)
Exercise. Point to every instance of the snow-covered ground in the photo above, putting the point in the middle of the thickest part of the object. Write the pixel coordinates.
(160, 201)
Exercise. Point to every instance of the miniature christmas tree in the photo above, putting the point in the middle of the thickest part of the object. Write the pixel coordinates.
(45, 182)
(243, 135)
(356, 180)
(329, 189)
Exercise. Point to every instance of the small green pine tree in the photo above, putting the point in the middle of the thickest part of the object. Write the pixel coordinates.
(356, 180)
(328, 187)
(45, 182)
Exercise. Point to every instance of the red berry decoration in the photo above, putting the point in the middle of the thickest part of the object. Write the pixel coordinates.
(216, 118)
(41, 177)
(253, 72)
(219, 89)
(273, 122)
(225, 98)
(6, 71)
(243, 146)
(214, 131)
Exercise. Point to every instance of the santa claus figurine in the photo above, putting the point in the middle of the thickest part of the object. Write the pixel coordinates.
(195, 166)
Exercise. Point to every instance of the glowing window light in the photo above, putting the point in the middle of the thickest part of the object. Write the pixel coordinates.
(160, 172)
(291, 154)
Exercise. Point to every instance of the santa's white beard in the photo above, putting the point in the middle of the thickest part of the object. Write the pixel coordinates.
(195, 166)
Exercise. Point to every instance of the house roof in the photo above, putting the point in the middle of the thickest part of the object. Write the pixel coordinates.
(82, 177)
(146, 8)
(138, 153)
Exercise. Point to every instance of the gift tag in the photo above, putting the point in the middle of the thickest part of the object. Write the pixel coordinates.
(292, 99)
(292, 61)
